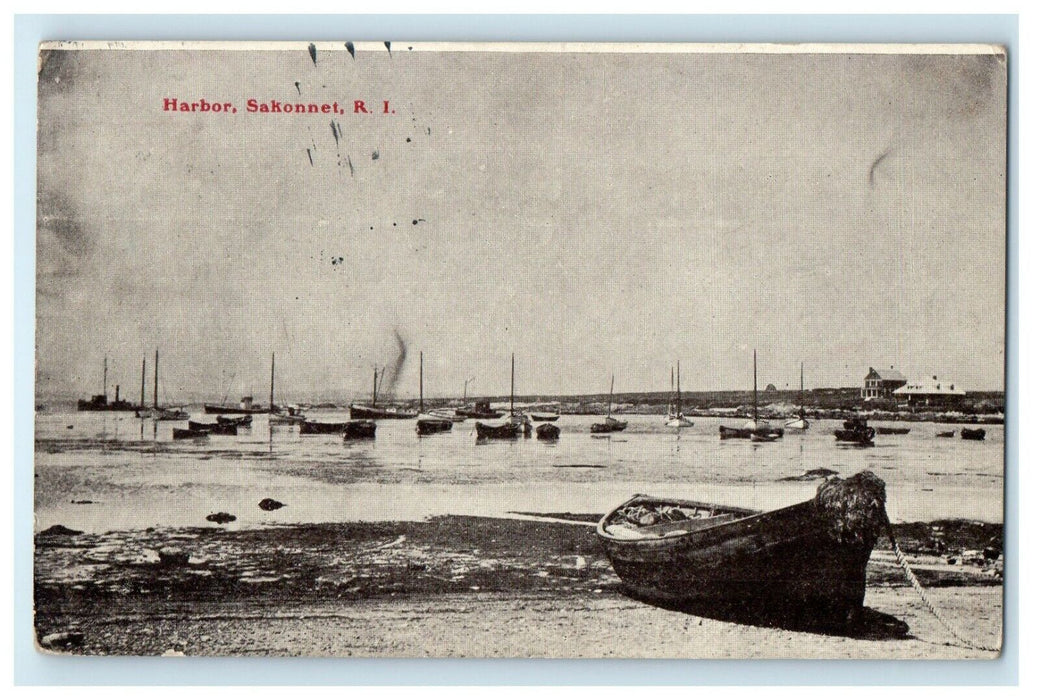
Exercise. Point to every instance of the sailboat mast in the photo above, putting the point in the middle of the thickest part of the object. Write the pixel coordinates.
(104, 378)
(155, 387)
(801, 390)
(142, 383)
(610, 397)
(375, 378)
(420, 383)
(270, 401)
(678, 391)
(755, 394)
(512, 381)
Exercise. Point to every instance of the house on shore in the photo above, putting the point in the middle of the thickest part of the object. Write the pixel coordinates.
(930, 392)
(880, 383)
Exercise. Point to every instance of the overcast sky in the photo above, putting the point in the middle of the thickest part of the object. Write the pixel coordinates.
(594, 213)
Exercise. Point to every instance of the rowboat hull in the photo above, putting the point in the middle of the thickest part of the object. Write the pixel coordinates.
(547, 431)
(360, 430)
(611, 425)
(545, 417)
(374, 413)
(233, 410)
(803, 560)
(973, 434)
(856, 436)
(731, 433)
(797, 424)
(882, 430)
(189, 434)
(431, 426)
(320, 428)
(214, 428)
(504, 431)
(678, 422)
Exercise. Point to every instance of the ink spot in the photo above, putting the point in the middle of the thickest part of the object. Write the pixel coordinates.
(313, 51)
(375, 155)
(408, 140)
(297, 84)
(350, 48)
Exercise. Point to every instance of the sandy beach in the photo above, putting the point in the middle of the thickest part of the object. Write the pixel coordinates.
(458, 586)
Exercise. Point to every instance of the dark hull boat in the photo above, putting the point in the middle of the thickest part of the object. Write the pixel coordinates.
(213, 428)
(430, 426)
(731, 433)
(610, 425)
(212, 408)
(479, 413)
(376, 413)
(101, 403)
(499, 431)
(806, 560)
(945, 434)
(310, 427)
(189, 434)
(547, 431)
(240, 421)
(858, 436)
(545, 417)
(973, 434)
(359, 430)
(882, 430)
(764, 437)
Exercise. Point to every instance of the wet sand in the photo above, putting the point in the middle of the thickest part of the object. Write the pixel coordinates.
(463, 586)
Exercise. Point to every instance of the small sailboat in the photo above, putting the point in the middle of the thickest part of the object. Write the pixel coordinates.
(676, 419)
(513, 425)
(373, 412)
(609, 424)
(245, 405)
(754, 426)
(157, 412)
(799, 422)
(428, 424)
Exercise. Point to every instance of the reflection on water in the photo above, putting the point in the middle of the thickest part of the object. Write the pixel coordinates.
(136, 475)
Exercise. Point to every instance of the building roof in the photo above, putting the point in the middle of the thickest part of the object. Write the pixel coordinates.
(889, 375)
(930, 387)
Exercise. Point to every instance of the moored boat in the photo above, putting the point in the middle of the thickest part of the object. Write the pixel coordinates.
(359, 430)
(480, 410)
(213, 428)
(945, 434)
(311, 427)
(376, 412)
(100, 402)
(799, 422)
(807, 560)
(245, 406)
(240, 421)
(676, 418)
(157, 412)
(764, 437)
(429, 424)
(545, 417)
(888, 430)
(973, 433)
(512, 426)
(754, 425)
(547, 431)
(189, 434)
(609, 424)
(855, 431)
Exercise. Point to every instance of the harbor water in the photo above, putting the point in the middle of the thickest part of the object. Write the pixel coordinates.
(111, 471)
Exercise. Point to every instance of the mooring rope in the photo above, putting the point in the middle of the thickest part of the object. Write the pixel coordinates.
(912, 578)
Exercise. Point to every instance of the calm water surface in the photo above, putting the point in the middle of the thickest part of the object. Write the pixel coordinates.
(136, 476)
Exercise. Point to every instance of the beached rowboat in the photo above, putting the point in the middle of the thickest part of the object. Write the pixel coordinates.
(807, 560)
(547, 431)
(973, 433)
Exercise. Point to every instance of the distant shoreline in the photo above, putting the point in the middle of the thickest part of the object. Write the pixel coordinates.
(981, 407)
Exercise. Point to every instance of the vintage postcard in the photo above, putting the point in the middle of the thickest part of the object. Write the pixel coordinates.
(520, 350)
